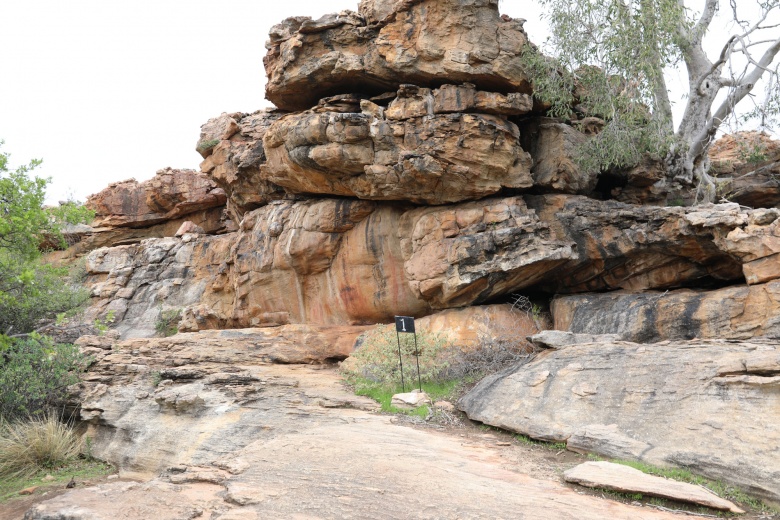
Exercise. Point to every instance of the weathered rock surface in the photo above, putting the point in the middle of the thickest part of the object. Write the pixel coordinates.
(421, 148)
(233, 153)
(230, 437)
(482, 324)
(561, 339)
(426, 43)
(621, 246)
(168, 195)
(624, 479)
(554, 146)
(327, 261)
(335, 261)
(147, 399)
(747, 168)
(469, 253)
(709, 406)
(739, 312)
(755, 241)
(136, 283)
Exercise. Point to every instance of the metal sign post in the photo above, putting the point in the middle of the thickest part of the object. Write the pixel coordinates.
(405, 324)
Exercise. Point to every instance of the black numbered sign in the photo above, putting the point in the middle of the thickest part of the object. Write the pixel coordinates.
(404, 324)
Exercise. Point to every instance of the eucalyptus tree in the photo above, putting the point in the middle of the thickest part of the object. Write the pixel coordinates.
(612, 58)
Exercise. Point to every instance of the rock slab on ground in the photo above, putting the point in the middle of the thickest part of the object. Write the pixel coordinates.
(709, 406)
(624, 479)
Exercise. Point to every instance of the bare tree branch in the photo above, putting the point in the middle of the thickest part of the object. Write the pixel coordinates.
(745, 86)
(707, 14)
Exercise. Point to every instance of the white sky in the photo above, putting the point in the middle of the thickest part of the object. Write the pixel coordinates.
(104, 90)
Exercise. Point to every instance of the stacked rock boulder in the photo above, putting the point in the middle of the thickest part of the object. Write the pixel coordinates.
(408, 171)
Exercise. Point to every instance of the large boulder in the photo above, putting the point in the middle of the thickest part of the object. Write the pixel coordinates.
(623, 246)
(472, 252)
(168, 195)
(426, 43)
(554, 147)
(420, 148)
(232, 148)
(709, 406)
(739, 312)
(747, 168)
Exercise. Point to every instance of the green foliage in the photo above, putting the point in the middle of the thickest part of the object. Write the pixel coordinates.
(27, 446)
(155, 377)
(752, 152)
(24, 221)
(79, 469)
(102, 324)
(168, 322)
(528, 441)
(609, 63)
(384, 394)
(205, 145)
(34, 375)
(29, 290)
(376, 359)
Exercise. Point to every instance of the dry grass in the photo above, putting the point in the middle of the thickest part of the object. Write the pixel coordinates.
(34, 444)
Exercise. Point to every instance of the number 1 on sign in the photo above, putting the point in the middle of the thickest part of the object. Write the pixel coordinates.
(404, 324)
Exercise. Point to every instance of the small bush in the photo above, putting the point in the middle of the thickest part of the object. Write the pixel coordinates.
(167, 323)
(38, 443)
(376, 359)
(499, 344)
(34, 375)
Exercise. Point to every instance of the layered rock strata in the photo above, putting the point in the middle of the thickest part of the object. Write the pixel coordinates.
(334, 261)
(747, 169)
(168, 195)
(739, 312)
(390, 43)
(709, 406)
(421, 148)
(232, 148)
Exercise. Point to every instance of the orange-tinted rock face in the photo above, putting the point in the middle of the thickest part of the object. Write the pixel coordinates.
(336, 261)
(747, 167)
(328, 261)
(168, 195)
(405, 153)
(232, 149)
(426, 43)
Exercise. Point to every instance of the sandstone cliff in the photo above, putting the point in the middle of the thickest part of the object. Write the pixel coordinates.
(408, 171)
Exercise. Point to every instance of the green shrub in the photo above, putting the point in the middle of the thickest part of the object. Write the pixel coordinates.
(31, 292)
(167, 323)
(34, 375)
(376, 359)
(31, 445)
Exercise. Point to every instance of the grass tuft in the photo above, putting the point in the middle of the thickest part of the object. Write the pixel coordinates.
(27, 447)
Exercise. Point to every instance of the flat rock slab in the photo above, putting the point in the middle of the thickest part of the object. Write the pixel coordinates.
(709, 406)
(347, 465)
(617, 477)
(231, 437)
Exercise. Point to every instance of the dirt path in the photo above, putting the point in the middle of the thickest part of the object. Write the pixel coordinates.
(316, 451)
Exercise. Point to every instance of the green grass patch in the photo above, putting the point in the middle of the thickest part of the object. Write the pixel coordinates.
(384, 394)
(80, 469)
(528, 441)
